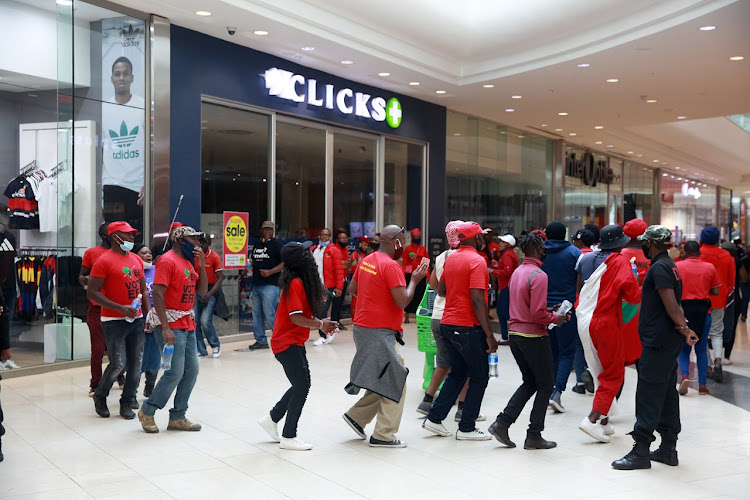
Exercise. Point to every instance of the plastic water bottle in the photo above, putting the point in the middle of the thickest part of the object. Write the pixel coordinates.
(634, 267)
(493, 365)
(136, 304)
(564, 309)
(166, 357)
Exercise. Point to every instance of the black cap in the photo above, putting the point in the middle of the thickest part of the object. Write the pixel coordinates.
(555, 230)
(293, 251)
(586, 237)
(612, 237)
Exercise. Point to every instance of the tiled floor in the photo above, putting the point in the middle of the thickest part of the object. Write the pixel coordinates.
(56, 446)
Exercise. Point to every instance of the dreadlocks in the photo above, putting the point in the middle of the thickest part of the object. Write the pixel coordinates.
(529, 242)
(307, 271)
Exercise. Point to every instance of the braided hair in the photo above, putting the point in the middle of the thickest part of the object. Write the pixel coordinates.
(306, 270)
(529, 242)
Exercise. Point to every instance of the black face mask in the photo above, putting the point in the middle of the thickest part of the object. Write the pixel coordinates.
(416, 241)
(645, 247)
(375, 246)
(343, 244)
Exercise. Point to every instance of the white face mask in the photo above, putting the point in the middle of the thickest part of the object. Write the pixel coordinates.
(147, 265)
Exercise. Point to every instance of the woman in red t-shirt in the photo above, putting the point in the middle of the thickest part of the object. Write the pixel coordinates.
(301, 293)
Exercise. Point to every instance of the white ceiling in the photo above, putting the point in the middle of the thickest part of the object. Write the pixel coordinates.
(530, 48)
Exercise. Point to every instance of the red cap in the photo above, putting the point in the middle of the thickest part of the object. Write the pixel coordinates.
(634, 228)
(416, 233)
(540, 233)
(174, 225)
(364, 239)
(120, 227)
(469, 230)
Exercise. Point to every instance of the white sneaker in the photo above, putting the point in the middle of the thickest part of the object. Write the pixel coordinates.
(434, 428)
(330, 337)
(320, 341)
(475, 435)
(271, 428)
(294, 443)
(727, 361)
(9, 365)
(3, 366)
(608, 429)
(594, 430)
(217, 352)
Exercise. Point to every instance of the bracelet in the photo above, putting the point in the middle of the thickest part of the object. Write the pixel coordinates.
(321, 323)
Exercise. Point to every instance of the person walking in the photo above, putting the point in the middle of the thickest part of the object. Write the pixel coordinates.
(600, 327)
(503, 269)
(267, 266)
(331, 270)
(725, 268)
(634, 254)
(8, 294)
(205, 304)
(467, 335)
(151, 354)
(530, 346)
(700, 282)
(176, 284)
(302, 293)
(560, 267)
(115, 282)
(414, 252)
(732, 310)
(583, 240)
(663, 329)
(342, 240)
(94, 311)
(380, 285)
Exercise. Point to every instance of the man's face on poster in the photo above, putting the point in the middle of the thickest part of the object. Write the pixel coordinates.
(122, 78)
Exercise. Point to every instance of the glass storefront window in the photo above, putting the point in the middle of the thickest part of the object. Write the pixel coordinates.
(687, 206)
(353, 183)
(402, 199)
(584, 204)
(639, 192)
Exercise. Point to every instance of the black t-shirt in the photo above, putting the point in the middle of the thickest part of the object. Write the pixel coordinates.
(266, 256)
(655, 326)
(7, 260)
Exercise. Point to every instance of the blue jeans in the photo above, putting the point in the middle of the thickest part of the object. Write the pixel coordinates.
(181, 376)
(563, 342)
(265, 300)
(701, 355)
(503, 312)
(204, 323)
(151, 355)
(579, 360)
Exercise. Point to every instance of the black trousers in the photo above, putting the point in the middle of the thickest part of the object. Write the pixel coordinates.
(338, 302)
(121, 204)
(534, 358)
(696, 312)
(2, 429)
(324, 308)
(294, 361)
(125, 350)
(657, 405)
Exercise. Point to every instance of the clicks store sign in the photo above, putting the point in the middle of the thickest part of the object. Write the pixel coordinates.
(293, 87)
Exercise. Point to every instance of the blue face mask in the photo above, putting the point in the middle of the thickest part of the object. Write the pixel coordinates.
(324, 244)
(187, 250)
(126, 246)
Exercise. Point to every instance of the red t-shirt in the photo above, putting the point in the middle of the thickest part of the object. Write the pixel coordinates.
(413, 257)
(286, 333)
(180, 278)
(465, 270)
(698, 278)
(122, 279)
(376, 275)
(213, 264)
(89, 258)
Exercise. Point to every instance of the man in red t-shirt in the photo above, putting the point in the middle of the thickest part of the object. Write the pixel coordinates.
(467, 335)
(94, 312)
(700, 282)
(380, 286)
(116, 281)
(176, 284)
(414, 252)
(503, 268)
(205, 304)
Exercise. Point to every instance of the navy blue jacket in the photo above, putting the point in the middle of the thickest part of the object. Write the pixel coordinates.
(560, 266)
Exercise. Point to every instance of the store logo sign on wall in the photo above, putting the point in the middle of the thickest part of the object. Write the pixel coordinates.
(687, 190)
(293, 87)
(590, 171)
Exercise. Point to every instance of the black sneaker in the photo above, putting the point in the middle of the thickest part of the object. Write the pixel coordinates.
(355, 426)
(579, 388)
(396, 443)
(588, 381)
(126, 412)
(257, 346)
(134, 405)
(342, 327)
(718, 372)
(148, 390)
(666, 455)
(100, 405)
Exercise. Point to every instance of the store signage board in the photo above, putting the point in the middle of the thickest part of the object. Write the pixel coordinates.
(297, 88)
(235, 239)
(590, 171)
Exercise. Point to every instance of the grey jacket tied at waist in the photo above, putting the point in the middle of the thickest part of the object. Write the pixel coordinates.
(376, 366)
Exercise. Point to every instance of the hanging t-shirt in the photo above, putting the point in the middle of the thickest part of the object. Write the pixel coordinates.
(123, 133)
(376, 275)
(180, 278)
(122, 280)
(286, 333)
(46, 196)
(7, 260)
(24, 209)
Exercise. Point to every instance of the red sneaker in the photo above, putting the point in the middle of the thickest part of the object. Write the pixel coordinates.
(684, 383)
(703, 391)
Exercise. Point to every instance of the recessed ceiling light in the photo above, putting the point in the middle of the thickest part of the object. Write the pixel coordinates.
(656, 161)
(583, 65)
(457, 134)
(707, 28)
(488, 86)
(346, 61)
(413, 84)
(664, 175)
(612, 80)
(440, 91)
(260, 32)
(736, 58)
(384, 74)
(675, 167)
(509, 110)
(563, 114)
(630, 152)
(598, 142)
(544, 124)
(599, 127)
(307, 49)
(558, 130)
(572, 134)
(651, 101)
(682, 117)
(516, 97)
(639, 156)
(521, 136)
(610, 145)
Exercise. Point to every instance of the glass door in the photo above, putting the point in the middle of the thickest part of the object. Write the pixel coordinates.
(353, 184)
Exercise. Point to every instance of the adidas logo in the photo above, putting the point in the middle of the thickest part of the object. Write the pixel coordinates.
(124, 139)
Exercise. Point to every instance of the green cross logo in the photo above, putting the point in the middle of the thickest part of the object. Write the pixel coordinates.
(127, 272)
(124, 139)
(393, 113)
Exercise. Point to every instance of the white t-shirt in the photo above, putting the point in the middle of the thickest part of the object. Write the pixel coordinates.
(318, 256)
(439, 305)
(123, 141)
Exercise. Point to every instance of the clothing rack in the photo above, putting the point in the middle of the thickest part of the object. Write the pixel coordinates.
(29, 167)
(57, 169)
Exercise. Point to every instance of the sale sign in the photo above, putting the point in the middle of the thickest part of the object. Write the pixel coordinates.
(235, 239)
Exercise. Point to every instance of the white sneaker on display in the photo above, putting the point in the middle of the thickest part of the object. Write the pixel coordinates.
(475, 435)
(595, 430)
(320, 341)
(294, 443)
(434, 428)
(271, 428)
